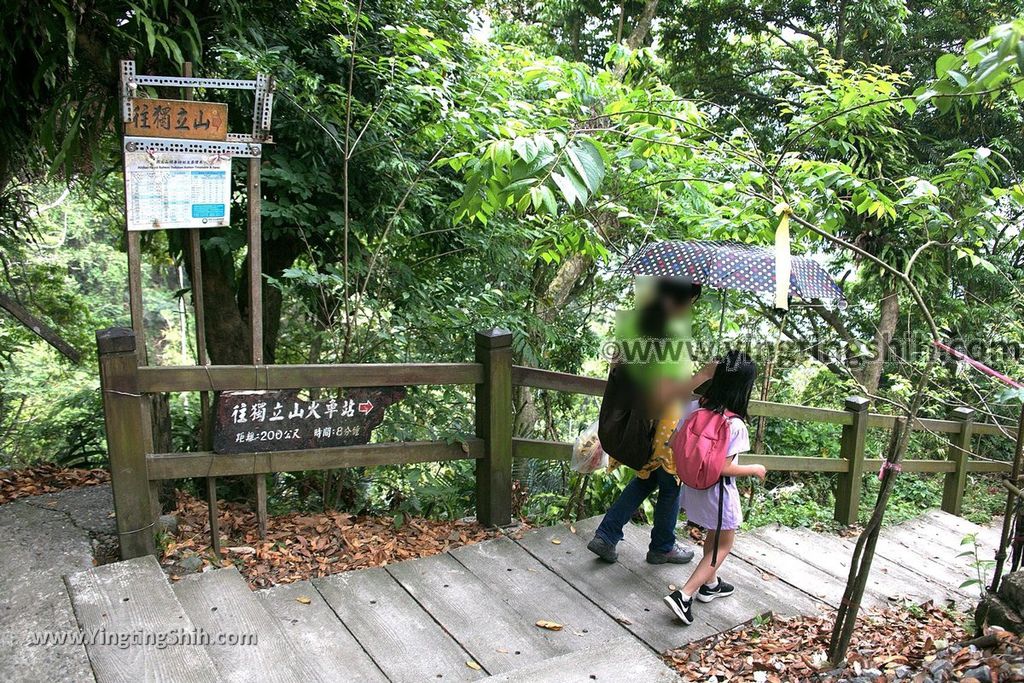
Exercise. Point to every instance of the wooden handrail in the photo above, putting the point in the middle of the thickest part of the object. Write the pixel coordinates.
(789, 411)
(537, 378)
(209, 464)
(562, 450)
(126, 388)
(266, 377)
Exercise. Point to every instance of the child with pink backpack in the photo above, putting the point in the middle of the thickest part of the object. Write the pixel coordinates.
(705, 444)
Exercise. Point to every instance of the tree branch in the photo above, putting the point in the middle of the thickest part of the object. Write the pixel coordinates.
(40, 329)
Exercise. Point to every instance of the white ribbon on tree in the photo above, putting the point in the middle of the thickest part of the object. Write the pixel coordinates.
(783, 259)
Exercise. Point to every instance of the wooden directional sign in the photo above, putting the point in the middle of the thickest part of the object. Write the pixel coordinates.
(260, 421)
(178, 119)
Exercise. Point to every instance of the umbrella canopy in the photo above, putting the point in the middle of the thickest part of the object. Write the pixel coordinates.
(732, 265)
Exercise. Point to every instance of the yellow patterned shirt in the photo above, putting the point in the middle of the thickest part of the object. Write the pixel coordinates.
(662, 455)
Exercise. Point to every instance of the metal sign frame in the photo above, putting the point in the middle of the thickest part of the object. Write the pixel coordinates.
(237, 144)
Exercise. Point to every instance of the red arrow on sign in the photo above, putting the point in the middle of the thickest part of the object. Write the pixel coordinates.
(365, 407)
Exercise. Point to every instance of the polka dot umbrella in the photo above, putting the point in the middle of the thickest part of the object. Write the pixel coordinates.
(733, 265)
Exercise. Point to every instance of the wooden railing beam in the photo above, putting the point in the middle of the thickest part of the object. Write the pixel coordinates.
(269, 377)
(209, 464)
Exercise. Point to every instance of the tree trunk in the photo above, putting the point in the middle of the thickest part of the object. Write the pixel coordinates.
(889, 316)
(553, 299)
(643, 25)
(840, 30)
(40, 329)
(227, 334)
(225, 295)
(277, 255)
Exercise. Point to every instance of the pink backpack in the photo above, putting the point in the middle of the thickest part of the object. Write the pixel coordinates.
(700, 447)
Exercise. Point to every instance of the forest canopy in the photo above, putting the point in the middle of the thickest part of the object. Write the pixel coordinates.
(444, 167)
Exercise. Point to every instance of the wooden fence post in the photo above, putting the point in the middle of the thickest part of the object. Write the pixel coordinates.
(494, 426)
(959, 453)
(123, 416)
(852, 449)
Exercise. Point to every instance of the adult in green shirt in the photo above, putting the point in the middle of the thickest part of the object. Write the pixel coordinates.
(654, 344)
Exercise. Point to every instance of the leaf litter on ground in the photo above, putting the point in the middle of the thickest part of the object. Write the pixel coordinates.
(47, 478)
(302, 545)
(794, 648)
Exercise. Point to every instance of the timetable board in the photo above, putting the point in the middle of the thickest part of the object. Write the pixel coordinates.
(167, 190)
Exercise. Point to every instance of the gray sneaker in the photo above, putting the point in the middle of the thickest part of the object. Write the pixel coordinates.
(604, 549)
(678, 555)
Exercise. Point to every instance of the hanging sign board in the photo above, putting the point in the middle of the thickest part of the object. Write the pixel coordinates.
(166, 190)
(178, 119)
(261, 421)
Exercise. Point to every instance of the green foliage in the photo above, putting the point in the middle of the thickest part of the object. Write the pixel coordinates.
(986, 69)
(430, 179)
(980, 566)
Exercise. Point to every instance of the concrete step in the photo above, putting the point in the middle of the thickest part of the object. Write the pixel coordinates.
(621, 659)
(316, 633)
(39, 546)
(247, 643)
(118, 603)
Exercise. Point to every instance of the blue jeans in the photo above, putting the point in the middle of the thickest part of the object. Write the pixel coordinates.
(666, 510)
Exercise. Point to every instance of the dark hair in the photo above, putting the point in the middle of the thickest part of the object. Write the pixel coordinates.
(731, 385)
(669, 290)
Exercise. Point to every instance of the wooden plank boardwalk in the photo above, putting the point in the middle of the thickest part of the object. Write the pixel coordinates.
(471, 613)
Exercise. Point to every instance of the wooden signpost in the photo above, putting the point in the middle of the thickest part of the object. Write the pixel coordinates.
(178, 156)
(186, 119)
(261, 421)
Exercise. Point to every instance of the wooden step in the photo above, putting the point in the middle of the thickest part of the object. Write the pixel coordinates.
(621, 659)
(927, 550)
(404, 640)
(133, 597)
(317, 635)
(220, 602)
(795, 571)
(987, 535)
(536, 593)
(757, 592)
(631, 598)
(890, 578)
(498, 636)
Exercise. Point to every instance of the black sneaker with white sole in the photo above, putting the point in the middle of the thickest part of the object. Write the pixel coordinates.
(679, 606)
(706, 594)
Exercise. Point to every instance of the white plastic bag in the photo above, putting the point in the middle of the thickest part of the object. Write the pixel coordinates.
(587, 454)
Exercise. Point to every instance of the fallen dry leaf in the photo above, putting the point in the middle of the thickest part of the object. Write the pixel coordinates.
(301, 546)
(33, 481)
(549, 625)
(241, 550)
(793, 648)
